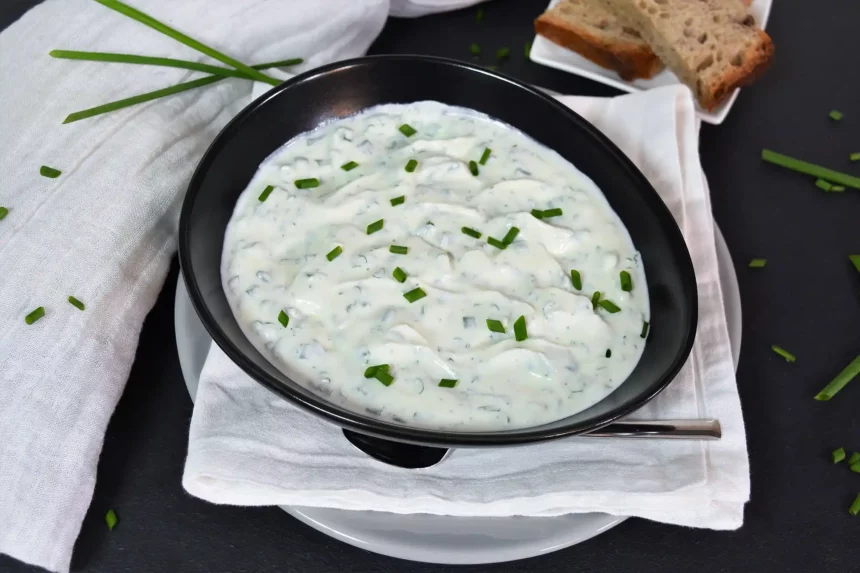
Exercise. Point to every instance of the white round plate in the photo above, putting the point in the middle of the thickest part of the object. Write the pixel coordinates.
(439, 538)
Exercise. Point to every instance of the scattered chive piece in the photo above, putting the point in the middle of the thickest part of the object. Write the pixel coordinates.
(626, 282)
(608, 353)
(835, 115)
(35, 315)
(503, 53)
(527, 49)
(595, 299)
(475, 234)
(46, 171)
(473, 168)
(3, 212)
(757, 263)
(855, 467)
(855, 458)
(520, 332)
(283, 319)
(384, 377)
(576, 279)
(398, 250)
(855, 506)
(609, 306)
(76, 303)
(479, 15)
(398, 201)
(855, 260)
(485, 156)
(810, 169)
(841, 380)
(495, 325)
(349, 166)
(266, 192)
(537, 213)
(375, 226)
(372, 370)
(111, 519)
(789, 357)
(837, 188)
(399, 275)
(547, 213)
(838, 455)
(644, 333)
(411, 165)
(823, 185)
(414, 295)
(497, 243)
(854, 156)
(475, 49)
(307, 183)
(407, 130)
(511, 235)
(334, 253)
(447, 383)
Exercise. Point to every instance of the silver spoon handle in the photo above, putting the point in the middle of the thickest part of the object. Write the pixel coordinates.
(708, 429)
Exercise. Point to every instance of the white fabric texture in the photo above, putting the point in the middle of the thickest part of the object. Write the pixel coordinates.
(250, 447)
(104, 231)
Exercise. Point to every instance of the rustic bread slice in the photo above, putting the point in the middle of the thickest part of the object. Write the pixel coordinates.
(713, 46)
(588, 28)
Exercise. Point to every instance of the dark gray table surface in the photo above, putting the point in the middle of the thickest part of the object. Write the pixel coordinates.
(806, 300)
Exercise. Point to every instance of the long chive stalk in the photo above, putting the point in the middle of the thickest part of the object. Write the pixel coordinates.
(810, 169)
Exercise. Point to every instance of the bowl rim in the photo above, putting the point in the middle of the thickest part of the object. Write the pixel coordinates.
(348, 419)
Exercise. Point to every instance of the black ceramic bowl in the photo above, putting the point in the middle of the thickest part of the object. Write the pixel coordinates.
(344, 88)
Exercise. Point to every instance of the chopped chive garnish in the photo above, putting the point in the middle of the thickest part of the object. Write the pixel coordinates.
(399, 275)
(497, 243)
(266, 192)
(789, 357)
(307, 183)
(372, 370)
(479, 15)
(473, 168)
(855, 467)
(537, 213)
(414, 294)
(35, 315)
(841, 380)
(644, 332)
(576, 279)
(757, 263)
(595, 299)
(608, 353)
(407, 130)
(520, 332)
(411, 165)
(837, 188)
(855, 260)
(838, 455)
(283, 318)
(46, 171)
(855, 506)
(503, 53)
(76, 303)
(3, 212)
(349, 166)
(495, 325)
(823, 185)
(854, 156)
(855, 458)
(111, 519)
(447, 383)
(547, 213)
(527, 49)
(334, 253)
(375, 226)
(835, 115)
(511, 235)
(485, 156)
(384, 377)
(398, 201)
(810, 169)
(626, 282)
(609, 306)
(475, 234)
(475, 49)
(398, 250)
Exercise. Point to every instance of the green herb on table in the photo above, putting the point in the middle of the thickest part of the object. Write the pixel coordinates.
(854, 459)
(485, 156)
(447, 383)
(266, 192)
(855, 467)
(471, 232)
(111, 519)
(789, 357)
(35, 315)
(479, 15)
(609, 306)
(608, 353)
(334, 253)
(576, 279)
(375, 226)
(495, 326)
(475, 50)
(411, 165)
(497, 243)
(854, 156)
(855, 506)
(473, 168)
(837, 189)
(823, 185)
(399, 275)
(3, 212)
(758, 263)
(510, 235)
(810, 169)
(644, 333)
(398, 250)
(595, 299)
(49, 172)
(520, 332)
(307, 183)
(283, 318)
(855, 260)
(626, 281)
(503, 53)
(398, 201)
(407, 130)
(349, 166)
(372, 370)
(835, 115)
(414, 295)
(384, 377)
(76, 303)
(841, 380)
(838, 455)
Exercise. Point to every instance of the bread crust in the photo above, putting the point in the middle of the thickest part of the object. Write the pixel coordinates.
(756, 60)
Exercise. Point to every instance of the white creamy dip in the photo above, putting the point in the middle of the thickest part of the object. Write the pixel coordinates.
(350, 313)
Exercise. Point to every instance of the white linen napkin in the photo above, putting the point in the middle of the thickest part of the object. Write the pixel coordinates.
(250, 447)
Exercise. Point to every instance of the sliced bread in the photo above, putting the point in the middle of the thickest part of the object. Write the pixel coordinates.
(713, 46)
(593, 31)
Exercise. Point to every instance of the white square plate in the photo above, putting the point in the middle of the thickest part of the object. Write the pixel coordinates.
(545, 52)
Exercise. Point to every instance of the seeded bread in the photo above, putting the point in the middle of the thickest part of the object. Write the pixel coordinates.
(713, 46)
(591, 30)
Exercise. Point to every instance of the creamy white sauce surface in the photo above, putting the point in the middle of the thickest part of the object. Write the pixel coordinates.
(350, 313)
